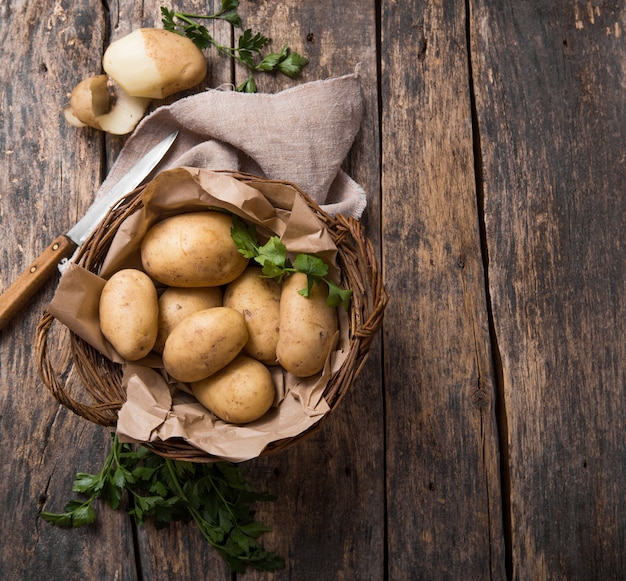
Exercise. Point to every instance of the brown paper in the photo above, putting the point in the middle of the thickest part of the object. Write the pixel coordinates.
(159, 408)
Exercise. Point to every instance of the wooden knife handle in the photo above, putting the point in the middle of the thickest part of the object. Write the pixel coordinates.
(33, 278)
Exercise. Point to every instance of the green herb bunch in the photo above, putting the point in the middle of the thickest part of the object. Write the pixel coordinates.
(249, 49)
(213, 495)
(272, 257)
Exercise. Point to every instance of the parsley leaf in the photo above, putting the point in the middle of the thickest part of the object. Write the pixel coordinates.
(248, 86)
(311, 265)
(249, 47)
(244, 237)
(87, 483)
(75, 514)
(292, 64)
(214, 496)
(272, 256)
(338, 296)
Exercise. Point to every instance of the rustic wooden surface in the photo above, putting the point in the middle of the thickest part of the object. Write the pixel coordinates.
(485, 437)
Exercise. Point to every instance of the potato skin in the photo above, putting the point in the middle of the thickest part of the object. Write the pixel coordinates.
(128, 313)
(154, 63)
(90, 99)
(192, 250)
(175, 304)
(203, 343)
(258, 300)
(307, 327)
(240, 393)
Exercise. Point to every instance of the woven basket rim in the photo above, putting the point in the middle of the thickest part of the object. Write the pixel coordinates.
(101, 378)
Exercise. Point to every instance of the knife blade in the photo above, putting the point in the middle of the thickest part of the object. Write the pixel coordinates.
(63, 246)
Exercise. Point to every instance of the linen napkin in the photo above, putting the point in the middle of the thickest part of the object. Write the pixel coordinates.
(300, 135)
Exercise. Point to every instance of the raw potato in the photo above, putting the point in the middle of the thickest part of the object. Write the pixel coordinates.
(129, 313)
(258, 299)
(307, 327)
(175, 304)
(148, 63)
(155, 63)
(192, 250)
(203, 343)
(240, 393)
(90, 99)
(98, 102)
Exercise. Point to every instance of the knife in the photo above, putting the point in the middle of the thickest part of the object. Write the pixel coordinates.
(33, 278)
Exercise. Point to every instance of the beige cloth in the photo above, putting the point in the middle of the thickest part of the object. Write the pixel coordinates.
(301, 135)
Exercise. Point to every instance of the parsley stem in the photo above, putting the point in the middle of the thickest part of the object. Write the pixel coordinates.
(234, 54)
(224, 501)
(165, 490)
(187, 17)
(114, 455)
(176, 482)
(221, 49)
(197, 517)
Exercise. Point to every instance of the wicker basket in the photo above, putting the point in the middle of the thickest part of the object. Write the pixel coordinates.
(101, 380)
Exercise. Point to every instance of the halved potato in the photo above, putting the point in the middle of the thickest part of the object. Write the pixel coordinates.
(156, 63)
(98, 102)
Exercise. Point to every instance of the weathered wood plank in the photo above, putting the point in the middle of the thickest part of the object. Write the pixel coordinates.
(58, 47)
(444, 514)
(180, 551)
(551, 119)
(42, 47)
(328, 522)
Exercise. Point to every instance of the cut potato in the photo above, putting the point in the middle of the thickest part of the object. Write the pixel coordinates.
(90, 99)
(155, 63)
(99, 103)
(125, 114)
(74, 121)
(148, 63)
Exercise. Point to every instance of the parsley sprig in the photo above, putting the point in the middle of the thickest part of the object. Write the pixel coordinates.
(213, 495)
(272, 257)
(249, 49)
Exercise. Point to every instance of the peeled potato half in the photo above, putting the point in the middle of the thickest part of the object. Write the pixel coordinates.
(155, 63)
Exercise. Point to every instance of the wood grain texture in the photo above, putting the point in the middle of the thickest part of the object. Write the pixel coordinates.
(180, 552)
(444, 514)
(553, 144)
(49, 178)
(484, 438)
(329, 519)
(42, 193)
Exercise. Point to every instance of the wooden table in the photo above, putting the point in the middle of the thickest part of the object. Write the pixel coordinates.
(485, 437)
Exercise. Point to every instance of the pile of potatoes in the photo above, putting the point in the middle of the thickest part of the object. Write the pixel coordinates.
(217, 323)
